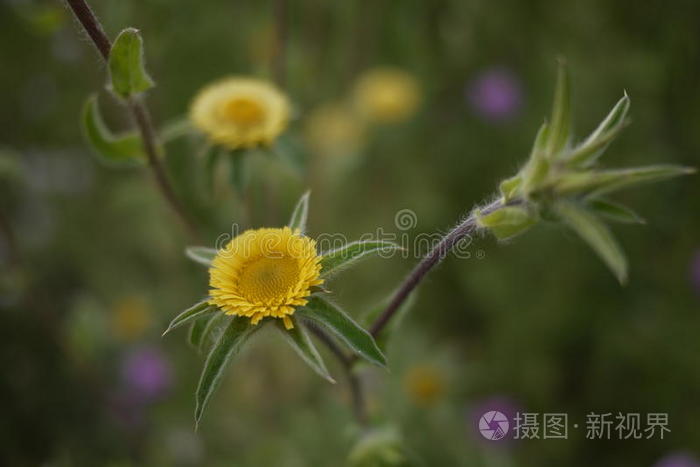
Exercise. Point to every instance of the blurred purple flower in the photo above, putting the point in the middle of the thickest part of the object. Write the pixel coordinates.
(146, 373)
(678, 459)
(495, 94)
(695, 272)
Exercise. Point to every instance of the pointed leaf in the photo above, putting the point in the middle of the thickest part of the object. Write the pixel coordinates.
(299, 340)
(615, 212)
(194, 312)
(560, 124)
(588, 152)
(596, 234)
(175, 129)
(300, 214)
(335, 320)
(201, 254)
(125, 149)
(230, 343)
(507, 222)
(126, 65)
(535, 171)
(194, 337)
(336, 260)
(594, 183)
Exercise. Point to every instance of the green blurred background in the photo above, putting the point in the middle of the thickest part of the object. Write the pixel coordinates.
(92, 265)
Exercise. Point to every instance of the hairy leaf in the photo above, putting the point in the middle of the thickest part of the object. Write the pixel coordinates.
(299, 340)
(336, 260)
(339, 323)
(194, 312)
(300, 214)
(126, 65)
(232, 339)
(125, 149)
(596, 234)
(201, 254)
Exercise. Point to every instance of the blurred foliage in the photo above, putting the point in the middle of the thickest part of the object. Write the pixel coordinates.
(86, 249)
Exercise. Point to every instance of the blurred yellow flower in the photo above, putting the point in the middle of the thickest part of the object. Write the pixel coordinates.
(387, 95)
(240, 112)
(332, 129)
(131, 317)
(424, 384)
(265, 272)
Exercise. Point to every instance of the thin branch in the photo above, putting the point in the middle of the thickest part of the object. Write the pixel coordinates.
(139, 112)
(437, 254)
(279, 56)
(356, 392)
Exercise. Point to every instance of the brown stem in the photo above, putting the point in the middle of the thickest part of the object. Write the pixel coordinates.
(279, 63)
(437, 254)
(139, 112)
(354, 383)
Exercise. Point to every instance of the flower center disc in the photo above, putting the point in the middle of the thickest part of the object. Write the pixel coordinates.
(265, 278)
(243, 112)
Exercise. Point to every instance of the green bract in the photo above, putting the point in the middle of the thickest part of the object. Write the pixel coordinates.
(560, 180)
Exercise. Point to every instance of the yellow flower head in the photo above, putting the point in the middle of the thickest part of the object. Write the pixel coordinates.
(387, 95)
(425, 385)
(265, 272)
(240, 112)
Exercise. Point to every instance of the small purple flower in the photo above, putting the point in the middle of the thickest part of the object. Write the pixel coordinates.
(146, 374)
(495, 94)
(678, 459)
(695, 272)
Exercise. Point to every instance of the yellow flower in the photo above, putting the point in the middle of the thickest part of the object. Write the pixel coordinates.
(240, 112)
(265, 272)
(130, 318)
(333, 130)
(425, 385)
(387, 95)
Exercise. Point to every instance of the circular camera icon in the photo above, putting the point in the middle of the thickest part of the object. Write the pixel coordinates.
(494, 425)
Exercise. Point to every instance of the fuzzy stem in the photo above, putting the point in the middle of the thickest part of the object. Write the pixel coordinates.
(139, 112)
(433, 258)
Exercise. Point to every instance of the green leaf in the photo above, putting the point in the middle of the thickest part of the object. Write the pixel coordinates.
(194, 337)
(339, 323)
(230, 343)
(336, 260)
(210, 332)
(510, 186)
(299, 340)
(126, 65)
(125, 149)
(201, 254)
(194, 312)
(535, 171)
(596, 234)
(615, 212)
(560, 125)
(588, 152)
(507, 222)
(300, 213)
(594, 183)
